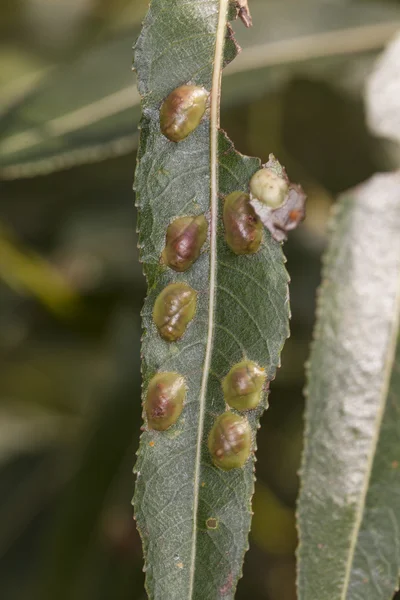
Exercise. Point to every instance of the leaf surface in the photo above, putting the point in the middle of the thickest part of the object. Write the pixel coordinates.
(242, 312)
(383, 93)
(89, 110)
(349, 508)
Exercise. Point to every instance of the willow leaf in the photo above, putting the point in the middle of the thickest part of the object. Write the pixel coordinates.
(349, 508)
(242, 312)
(383, 93)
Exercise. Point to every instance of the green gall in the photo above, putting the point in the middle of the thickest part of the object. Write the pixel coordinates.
(185, 237)
(269, 188)
(229, 441)
(243, 229)
(173, 309)
(164, 400)
(182, 111)
(243, 385)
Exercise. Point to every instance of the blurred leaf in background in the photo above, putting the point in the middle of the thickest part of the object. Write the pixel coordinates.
(51, 128)
(69, 306)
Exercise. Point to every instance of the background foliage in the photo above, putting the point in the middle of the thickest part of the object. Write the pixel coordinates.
(71, 287)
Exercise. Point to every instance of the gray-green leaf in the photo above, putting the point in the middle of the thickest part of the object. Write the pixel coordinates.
(349, 508)
(383, 93)
(193, 517)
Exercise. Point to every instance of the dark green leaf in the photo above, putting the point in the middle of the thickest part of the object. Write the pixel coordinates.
(349, 513)
(194, 518)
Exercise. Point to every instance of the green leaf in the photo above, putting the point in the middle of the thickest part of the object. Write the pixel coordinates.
(89, 110)
(67, 121)
(242, 312)
(349, 516)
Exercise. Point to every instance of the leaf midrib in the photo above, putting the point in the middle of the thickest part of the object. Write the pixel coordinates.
(214, 127)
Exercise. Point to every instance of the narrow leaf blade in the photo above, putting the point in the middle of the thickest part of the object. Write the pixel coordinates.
(242, 312)
(349, 512)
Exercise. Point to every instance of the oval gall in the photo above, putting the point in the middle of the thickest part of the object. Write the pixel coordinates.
(243, 229)
(164, 400)
(243, 385)
(269, 188)
(185, 237)
(182, 111)
(229, 441)
(173, 309)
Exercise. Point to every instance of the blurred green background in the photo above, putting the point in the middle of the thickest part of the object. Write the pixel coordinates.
(71, 286)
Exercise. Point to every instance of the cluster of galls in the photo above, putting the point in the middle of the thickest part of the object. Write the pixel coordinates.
(229, 440)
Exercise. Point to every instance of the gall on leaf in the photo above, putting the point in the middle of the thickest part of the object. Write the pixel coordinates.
(289, 205)
(229, 441)
(269, 188)
(173, 309)
(164, 400)
(182, 111)
(243, 229)
(243, 385)
(184, 240)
